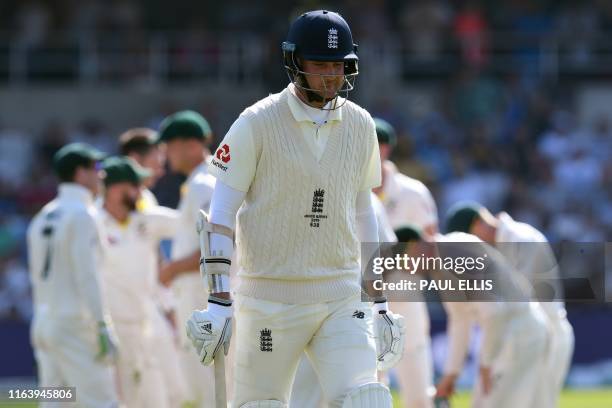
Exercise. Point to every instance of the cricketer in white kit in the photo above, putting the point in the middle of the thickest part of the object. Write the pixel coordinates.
(130, 275)
(71, 332)
(140, 144)
(408, 201)
(512, 355)
(527, 250)
(303, 190)
(186, 135)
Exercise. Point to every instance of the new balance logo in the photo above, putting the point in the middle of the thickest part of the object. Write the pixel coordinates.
(358, 314)
(265, 340)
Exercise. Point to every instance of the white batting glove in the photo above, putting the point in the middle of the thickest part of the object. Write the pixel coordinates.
(390, 334)
(107, 344)
(209, 330)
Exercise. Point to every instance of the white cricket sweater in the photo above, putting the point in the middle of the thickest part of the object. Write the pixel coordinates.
(296, 230)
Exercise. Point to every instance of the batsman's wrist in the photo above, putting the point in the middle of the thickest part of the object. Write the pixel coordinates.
(380, 307)
(222, 311)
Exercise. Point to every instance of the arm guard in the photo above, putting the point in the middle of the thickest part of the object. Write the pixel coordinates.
(213, 268)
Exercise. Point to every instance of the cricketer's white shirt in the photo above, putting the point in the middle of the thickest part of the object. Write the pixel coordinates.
(528, 251)
(492, 317)
(407, 200)
(65, 246)
(130, 269)
(196, 193)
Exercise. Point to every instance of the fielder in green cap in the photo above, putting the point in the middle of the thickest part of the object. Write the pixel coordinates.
(529, 254)
(187, 136)
(64, 248)
(461, 216)
(129, 272)
(121, 169)
(76, 163)
(122, 178)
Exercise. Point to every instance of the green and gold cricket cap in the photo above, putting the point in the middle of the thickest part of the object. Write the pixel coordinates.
(408, 233)
(120, 169)
(461, 216)
(73, 155)
(185, 124)
(385, 132)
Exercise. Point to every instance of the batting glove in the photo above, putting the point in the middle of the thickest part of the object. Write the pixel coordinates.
(107, 344)
(209, 330)
(389, 332)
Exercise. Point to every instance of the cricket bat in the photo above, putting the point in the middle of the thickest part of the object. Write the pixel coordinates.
(219, 358)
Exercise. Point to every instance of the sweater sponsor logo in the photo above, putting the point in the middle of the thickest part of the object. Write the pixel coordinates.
(223, 153)
(219, 165)
(265, 340)
(318, 199)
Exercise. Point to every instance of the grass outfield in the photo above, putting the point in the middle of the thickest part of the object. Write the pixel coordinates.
(597, 398)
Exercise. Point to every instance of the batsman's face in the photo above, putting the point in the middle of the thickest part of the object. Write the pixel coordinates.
(325, 77)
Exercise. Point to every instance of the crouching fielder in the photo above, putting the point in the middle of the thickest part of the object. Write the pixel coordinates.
(514, 336)
(304, 206)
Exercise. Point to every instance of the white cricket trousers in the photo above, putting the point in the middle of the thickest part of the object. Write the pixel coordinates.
(558, 360)
(519, 367)
(190, 294)
(65, 352)
(166, 349)
(415, 370)
(271, 337)
(140, 378)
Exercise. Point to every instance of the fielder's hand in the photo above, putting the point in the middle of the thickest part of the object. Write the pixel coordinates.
(107, 344)
(209, 330)
(487, 379)
(446, 386)
(389, 332)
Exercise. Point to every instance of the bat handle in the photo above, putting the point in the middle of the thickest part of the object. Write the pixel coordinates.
(219, 368)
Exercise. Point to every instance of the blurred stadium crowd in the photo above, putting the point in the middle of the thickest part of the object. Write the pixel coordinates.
(508, 138)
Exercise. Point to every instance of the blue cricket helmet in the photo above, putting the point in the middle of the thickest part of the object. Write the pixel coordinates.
(320, 35)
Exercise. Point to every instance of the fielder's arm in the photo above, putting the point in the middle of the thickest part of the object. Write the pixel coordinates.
(83, 247)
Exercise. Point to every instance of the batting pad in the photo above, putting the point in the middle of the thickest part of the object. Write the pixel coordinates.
(371, 395)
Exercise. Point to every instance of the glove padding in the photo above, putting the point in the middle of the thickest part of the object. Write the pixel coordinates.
(208, 333)
(389, 332)
(107, 344)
